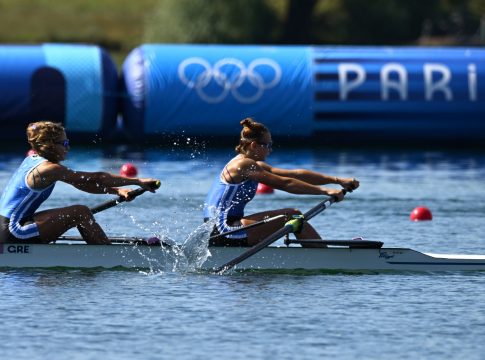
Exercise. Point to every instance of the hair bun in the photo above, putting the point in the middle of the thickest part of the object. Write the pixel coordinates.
(248, 122)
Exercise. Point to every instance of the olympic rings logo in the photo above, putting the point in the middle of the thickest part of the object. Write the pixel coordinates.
(229, 82)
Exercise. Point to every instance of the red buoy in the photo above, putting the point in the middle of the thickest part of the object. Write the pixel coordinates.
(421, 213)
(264, 189)
(128, 170)
(30, 153)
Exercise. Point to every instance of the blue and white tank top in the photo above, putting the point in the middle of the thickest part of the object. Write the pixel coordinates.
(19, 202)
(229, 199)
(226, 202)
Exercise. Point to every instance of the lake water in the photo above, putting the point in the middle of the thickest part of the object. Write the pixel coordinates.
(59, 314)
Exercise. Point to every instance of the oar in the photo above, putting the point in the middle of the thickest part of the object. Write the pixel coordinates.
(262, 222)
(109, 204)
(133, 194)
(289, 227)
(131, 240)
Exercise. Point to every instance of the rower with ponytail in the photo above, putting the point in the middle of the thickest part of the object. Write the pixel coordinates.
(251, 131)
(235, 186)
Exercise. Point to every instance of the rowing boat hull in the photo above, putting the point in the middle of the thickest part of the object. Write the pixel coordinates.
(393, 259)
(271, 258)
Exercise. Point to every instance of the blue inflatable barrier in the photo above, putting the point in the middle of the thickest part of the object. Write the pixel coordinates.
(207, 90)
(351, 92)
(72, 84)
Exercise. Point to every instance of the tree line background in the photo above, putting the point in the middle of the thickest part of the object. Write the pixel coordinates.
(121, 25)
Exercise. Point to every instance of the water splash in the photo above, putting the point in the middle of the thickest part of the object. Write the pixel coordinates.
(186, 257)
(196, 247)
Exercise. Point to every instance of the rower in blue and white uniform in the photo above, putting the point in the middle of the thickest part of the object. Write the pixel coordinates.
(33, 182)
(236, 186)
(226, 202)
(19, 202)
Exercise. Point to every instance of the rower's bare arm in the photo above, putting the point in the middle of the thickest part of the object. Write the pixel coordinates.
(96, 182)
(291, 185)
(312, 177)
(102, 182)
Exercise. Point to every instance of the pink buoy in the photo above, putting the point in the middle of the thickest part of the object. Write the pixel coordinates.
(421, 213)
(264, 189)
(30, 153)
(128, 170)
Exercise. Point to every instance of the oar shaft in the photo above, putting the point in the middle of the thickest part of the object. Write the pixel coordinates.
(319, 208)
(110, 203)
(256, 248)
(122, 240)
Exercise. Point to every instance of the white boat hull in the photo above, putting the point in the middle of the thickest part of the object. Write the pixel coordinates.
(271, 258)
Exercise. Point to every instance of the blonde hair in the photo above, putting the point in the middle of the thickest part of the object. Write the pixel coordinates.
(42, 136)
(252, 131)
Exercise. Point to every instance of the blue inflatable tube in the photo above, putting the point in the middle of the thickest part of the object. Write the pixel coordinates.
(207, 90)
(321, 92)
(72, 84)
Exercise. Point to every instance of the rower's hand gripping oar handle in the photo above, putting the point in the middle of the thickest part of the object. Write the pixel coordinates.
(132, 194)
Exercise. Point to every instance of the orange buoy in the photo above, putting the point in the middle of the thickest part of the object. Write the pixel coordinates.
(421, 213)
(264, 189)
(31, 152)
(128, 170)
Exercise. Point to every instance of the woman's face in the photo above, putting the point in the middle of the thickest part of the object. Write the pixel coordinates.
(61, 146)
(263, 147)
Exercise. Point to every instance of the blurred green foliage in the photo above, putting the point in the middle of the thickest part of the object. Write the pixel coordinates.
(121, 25)
(214, 21)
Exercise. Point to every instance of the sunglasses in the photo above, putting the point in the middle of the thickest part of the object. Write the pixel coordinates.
(64, 143)
(268, 146)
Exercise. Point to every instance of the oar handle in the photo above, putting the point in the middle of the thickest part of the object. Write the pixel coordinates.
(132, 194)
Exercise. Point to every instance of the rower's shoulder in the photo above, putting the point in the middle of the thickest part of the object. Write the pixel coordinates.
(51, 168)
(239, 161)
(244, 164)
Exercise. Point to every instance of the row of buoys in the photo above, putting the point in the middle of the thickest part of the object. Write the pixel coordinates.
(130, 170)
(421, 213)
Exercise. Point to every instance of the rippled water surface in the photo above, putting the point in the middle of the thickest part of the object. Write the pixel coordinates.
(79, 314)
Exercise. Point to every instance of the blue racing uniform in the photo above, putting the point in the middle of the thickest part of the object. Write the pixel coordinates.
(19, 202)
(226, 203)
